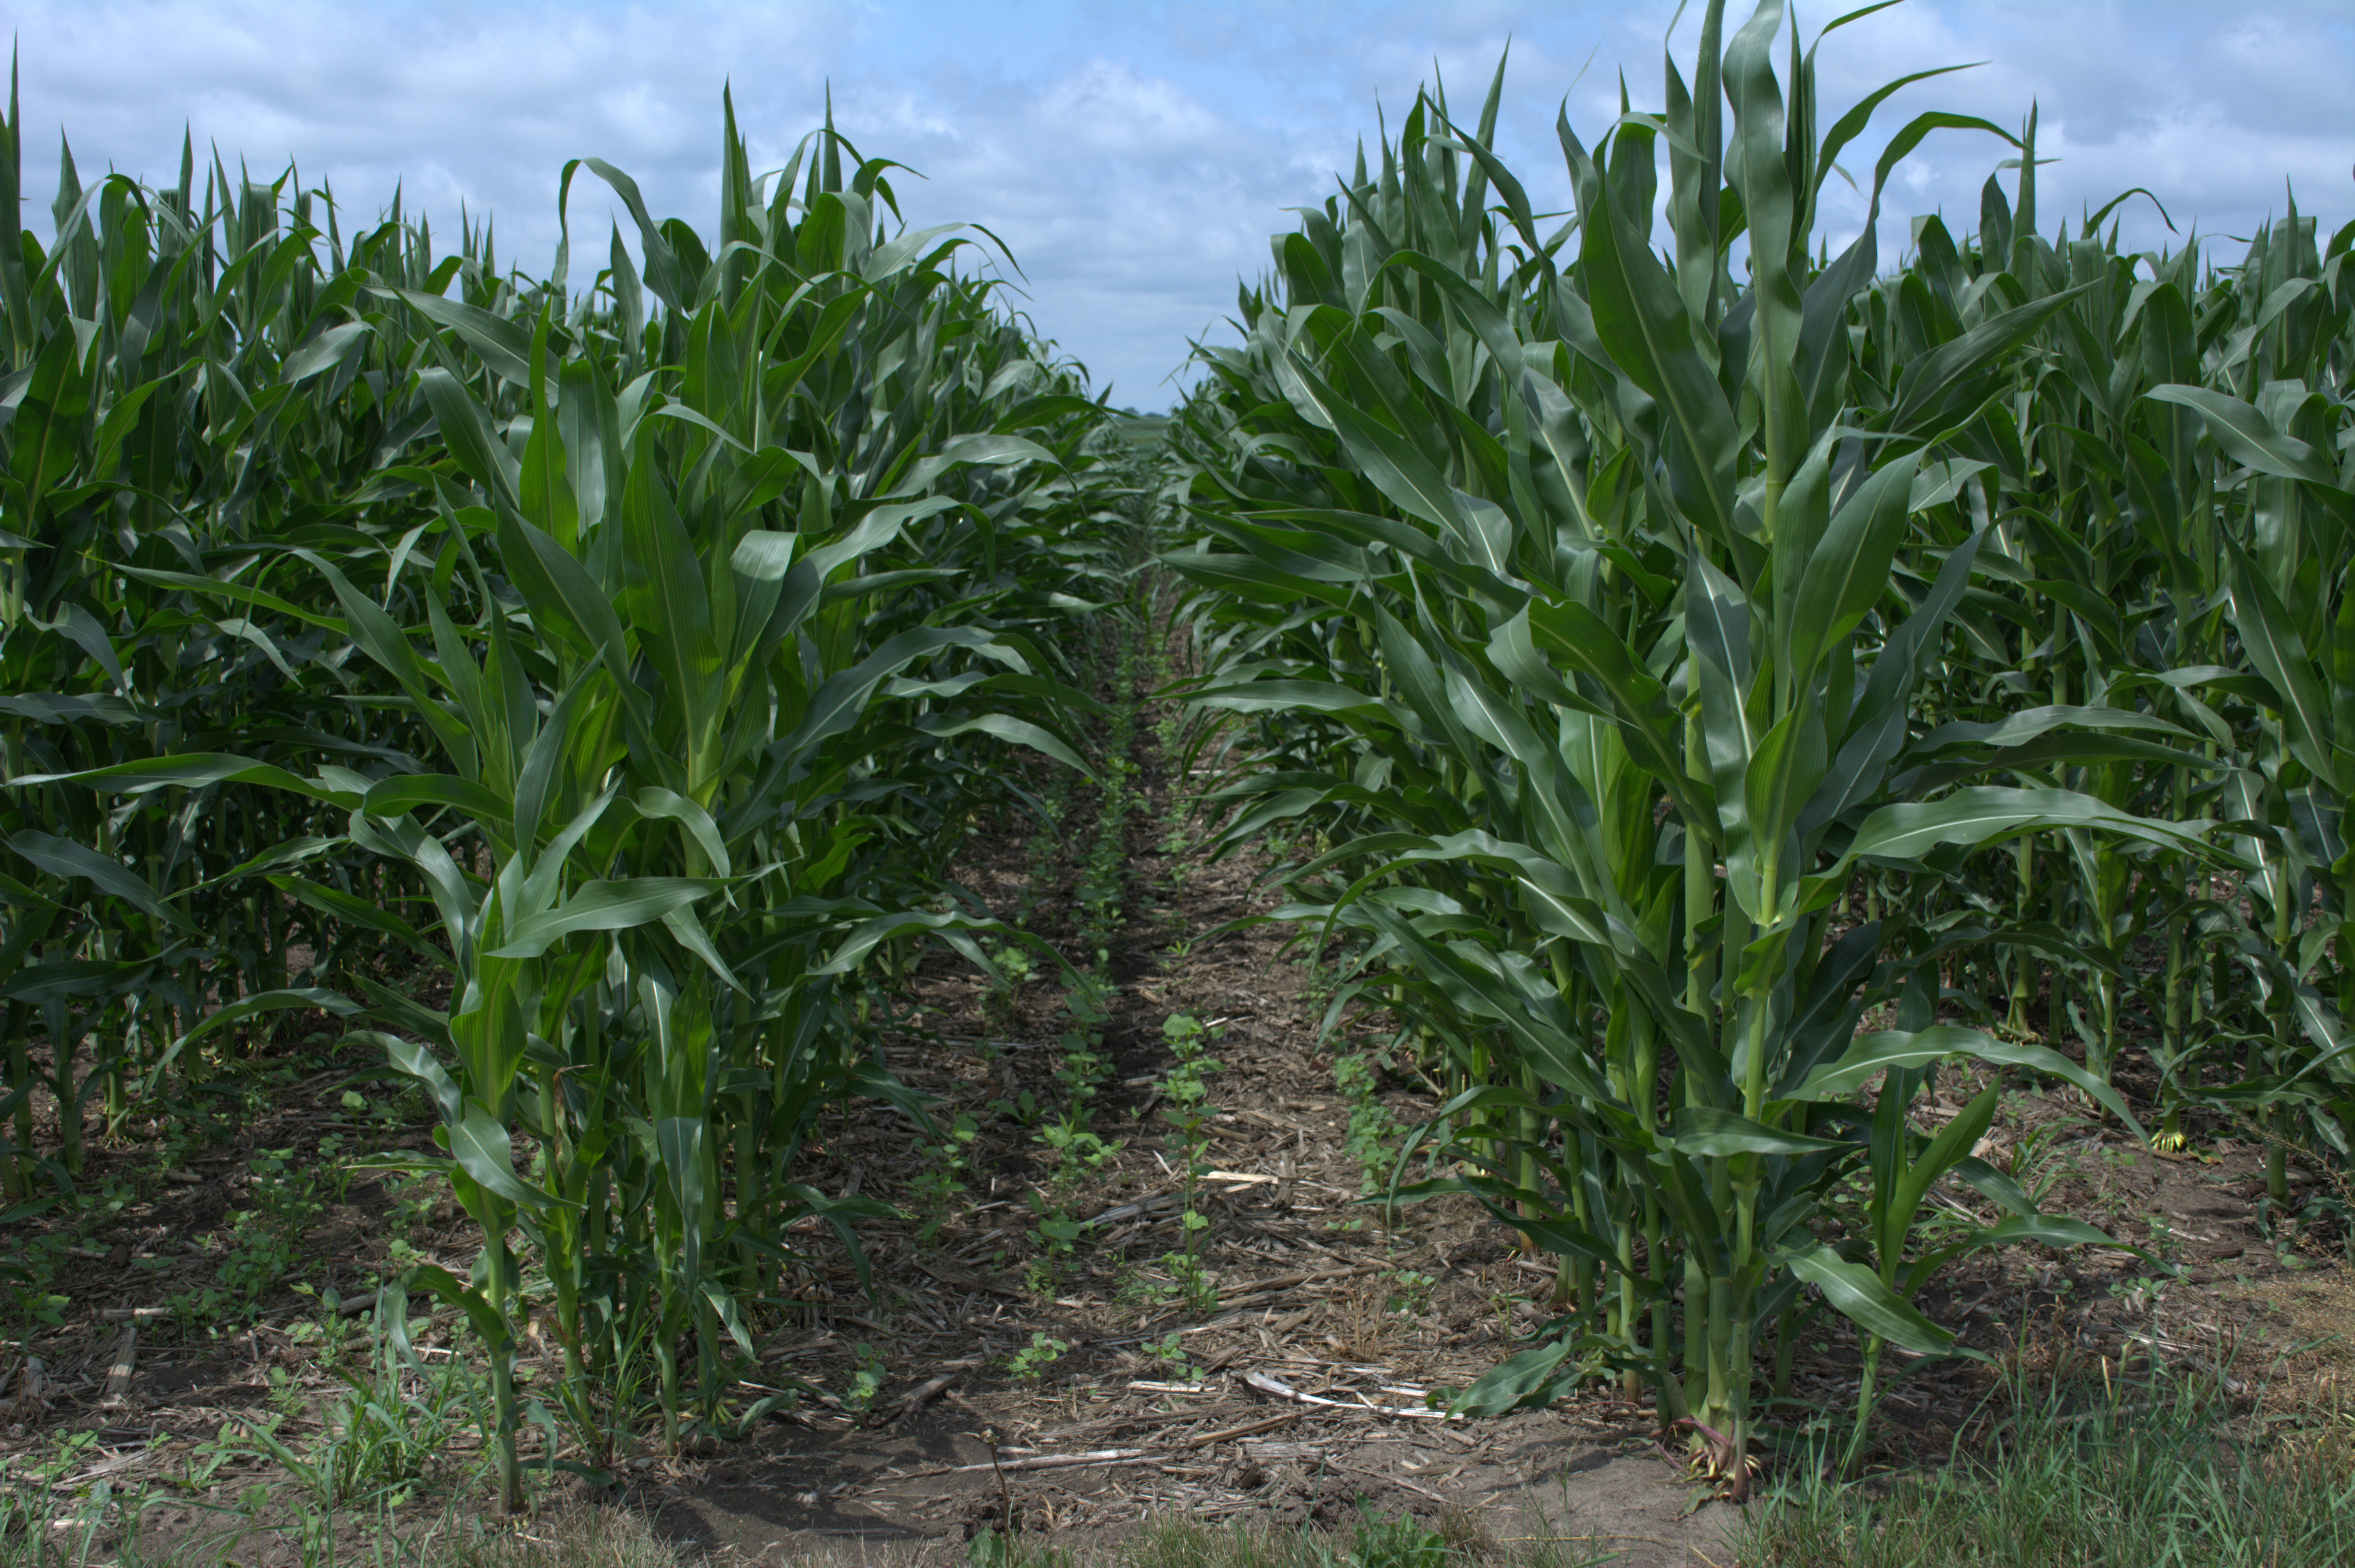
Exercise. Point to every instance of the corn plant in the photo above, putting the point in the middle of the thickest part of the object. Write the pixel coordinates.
(1591, 583)
(693, 623)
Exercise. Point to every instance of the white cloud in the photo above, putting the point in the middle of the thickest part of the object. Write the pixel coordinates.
(1135, 158)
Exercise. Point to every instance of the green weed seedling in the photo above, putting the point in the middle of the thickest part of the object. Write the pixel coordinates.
(2166, 1245)
(411, 1211)
(65, 1456)
(1102, 873)
(939, 1177)
(1088, 1003)
(2140, 1296)
(206, 1460)
(27, 1274)
(1395, 1542)
(1374, 1135)
(1409, 1291)
(1080, 1069)
(1015, 970)
(991, 1550)
(1056, 1233)
(405, 1107)
(1079, 1153)
(265, 1241)
(1188, 1114)
(1170, 1351)
(285, 1397)
(387, 1428)
(103, 1207)
(1023, 1108)
(332, 1163)
(61, 1531)
(1079, 1150)
(207, 1307)
(1138, 1291)
(865, 1380)
(1030, 1362)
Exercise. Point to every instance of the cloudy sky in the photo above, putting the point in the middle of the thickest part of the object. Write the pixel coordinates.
(1136, 156)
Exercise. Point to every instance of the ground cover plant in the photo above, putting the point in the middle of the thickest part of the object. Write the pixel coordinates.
(604, 877)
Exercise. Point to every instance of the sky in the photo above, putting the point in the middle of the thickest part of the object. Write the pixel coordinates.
(1135, 157)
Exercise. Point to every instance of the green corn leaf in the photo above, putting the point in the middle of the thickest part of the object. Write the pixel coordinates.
(2029, 724)
(664, 272)
(1953, 1142)
(764, 556)
(982, 448)
(2044, 1230)
(1530, 1380)
(1289, 696)
(837, 704)
(483, 1318)
(481, 1147)
(324, 351)
(1019, 731)
(1932, 383)
(1993, 1185)
(874, 528)
(2248, 437)
(298, 998)
(1987, 814)
(62, 857)
(1885, 1050)
(1848, 570)
(238, 593)
(1639, 321)
(687, 929)
(1857, 1294)
(503, 344)
(1781, 776)
(1636, 700)
(420, 1063)
(386, 642)
(361, 913)
(1701, 1132)
(658, 804)
(871, 933)
(1476, 992)
(466, 428)
(669, 606)
(1763, 166)
(398, 796)
(604, 905)
(2270, 636)
(193, 771)
(401, 838)
(1395, 467)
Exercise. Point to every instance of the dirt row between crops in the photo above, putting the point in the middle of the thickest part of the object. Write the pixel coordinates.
(1063, 1404)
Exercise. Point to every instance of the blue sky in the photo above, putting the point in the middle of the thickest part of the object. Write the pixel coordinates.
(1136, 156)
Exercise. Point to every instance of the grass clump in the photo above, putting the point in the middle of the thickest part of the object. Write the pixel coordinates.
(2142, 1475)
(1372, 1540)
